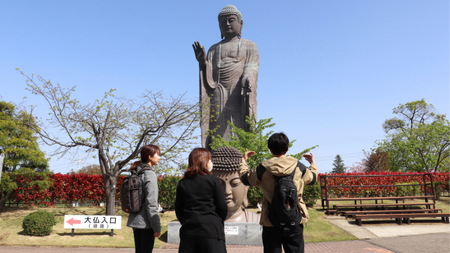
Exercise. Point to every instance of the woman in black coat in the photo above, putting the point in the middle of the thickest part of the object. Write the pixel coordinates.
(200, 206)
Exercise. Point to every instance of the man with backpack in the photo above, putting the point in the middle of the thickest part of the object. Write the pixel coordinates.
(282, 179)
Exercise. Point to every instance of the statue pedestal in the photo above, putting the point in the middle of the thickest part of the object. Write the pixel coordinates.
(249, 233)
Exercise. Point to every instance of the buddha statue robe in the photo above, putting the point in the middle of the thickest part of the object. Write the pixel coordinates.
(222, 89)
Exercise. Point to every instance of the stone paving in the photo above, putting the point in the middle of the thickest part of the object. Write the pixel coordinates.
(382, 239)
(336, 247)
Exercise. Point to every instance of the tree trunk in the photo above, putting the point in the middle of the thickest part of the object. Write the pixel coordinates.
(4, 198)
(110, 191)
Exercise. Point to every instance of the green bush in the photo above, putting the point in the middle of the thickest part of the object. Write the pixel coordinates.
(437, 189)
(167, 187)
(408, 190)
(254, 195)
(311, 193)
(38, 223)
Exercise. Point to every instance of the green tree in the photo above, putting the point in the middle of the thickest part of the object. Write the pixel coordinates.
(338, 165)
(22, 156)
(417, 140)
(18, 143)
(115, 129)
(255, 139)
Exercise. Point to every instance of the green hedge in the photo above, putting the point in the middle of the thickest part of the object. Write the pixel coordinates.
(408, 190)
(168, 186)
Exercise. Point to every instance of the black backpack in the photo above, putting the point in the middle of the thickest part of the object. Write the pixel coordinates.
(284, 211)
(131, 194)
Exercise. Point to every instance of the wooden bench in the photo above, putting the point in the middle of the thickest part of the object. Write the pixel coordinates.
(376, 199)
(380, 198)
(399, 217)
(353, 213)
(385, 205)
(384, 184)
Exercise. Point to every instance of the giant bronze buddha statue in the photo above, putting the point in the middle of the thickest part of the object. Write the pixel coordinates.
(228, 76)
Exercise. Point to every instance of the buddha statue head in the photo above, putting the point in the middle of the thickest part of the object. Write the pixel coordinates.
(230, 22)
(226, 168)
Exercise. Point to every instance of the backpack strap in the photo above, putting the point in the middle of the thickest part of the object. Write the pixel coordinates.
(142, 167)
(292, 174)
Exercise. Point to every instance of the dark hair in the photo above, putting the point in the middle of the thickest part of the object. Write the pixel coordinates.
(198, 162)
(278, 143)
(146, 151)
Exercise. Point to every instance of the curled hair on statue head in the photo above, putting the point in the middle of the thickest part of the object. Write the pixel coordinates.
(146, 151)
(278, 143)
(231, 10)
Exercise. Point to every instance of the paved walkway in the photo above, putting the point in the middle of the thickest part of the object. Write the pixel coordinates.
(429, 243)
(381, 239)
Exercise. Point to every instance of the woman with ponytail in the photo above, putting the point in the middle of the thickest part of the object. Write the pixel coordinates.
(146, 224)
(200, 206)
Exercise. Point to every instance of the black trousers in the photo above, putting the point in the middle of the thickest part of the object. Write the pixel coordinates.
(291, 239)
(143, 240)
(201, 245)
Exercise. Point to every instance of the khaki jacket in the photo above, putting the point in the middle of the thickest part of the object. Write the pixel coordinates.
(278, 166)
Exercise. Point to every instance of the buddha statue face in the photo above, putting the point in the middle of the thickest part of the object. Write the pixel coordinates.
(234, 190)
(226, 162)
(230, 26)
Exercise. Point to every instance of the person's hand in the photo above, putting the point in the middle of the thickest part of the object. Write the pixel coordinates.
(200, 54)
(248, 154)
(310, 158)
(157, 234)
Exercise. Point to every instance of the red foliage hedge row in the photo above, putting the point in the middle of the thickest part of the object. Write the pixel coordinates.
(373, 181)
(68, 188)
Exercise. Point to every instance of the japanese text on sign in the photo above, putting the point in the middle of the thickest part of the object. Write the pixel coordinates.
(92, 222)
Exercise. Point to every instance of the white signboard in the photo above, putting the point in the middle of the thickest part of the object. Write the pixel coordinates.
(92, 222)
(231, 230)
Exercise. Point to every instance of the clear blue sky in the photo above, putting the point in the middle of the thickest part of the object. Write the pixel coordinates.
(330, 71)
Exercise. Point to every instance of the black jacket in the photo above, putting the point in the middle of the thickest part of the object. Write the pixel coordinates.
(200, 207)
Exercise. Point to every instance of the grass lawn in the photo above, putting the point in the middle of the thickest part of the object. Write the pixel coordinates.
(11, 232)
(318, 228)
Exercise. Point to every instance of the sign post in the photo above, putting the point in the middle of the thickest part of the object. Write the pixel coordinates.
(92, 222)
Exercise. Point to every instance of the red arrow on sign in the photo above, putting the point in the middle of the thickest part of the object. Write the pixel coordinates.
(72, 221)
